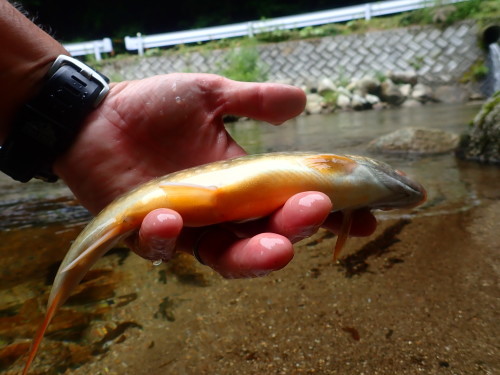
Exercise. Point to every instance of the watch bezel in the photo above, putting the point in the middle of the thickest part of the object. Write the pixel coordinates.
(84, 70)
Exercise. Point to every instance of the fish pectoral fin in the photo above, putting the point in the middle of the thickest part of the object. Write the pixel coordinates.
(191, 193)
(343, 234)
(109, 235)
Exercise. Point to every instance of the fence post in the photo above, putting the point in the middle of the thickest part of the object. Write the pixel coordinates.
(97, 51)
(140, 44)
(368, 11)
(250, 29)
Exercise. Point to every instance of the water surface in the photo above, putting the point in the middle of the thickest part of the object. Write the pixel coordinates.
(419, 296)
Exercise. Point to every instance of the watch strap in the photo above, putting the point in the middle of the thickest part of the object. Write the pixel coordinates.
(46, 126)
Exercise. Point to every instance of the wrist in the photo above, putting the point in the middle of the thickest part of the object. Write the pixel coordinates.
(47, 124)
(27, 54)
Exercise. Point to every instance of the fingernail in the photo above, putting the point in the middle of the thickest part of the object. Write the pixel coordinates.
(271, 242)
(310, 199)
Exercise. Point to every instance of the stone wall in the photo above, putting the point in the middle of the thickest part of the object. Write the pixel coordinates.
(439, 56)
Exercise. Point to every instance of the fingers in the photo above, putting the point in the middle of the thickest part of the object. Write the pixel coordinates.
(158, 234)
(270, 102)
(233, 257)
(300, 217)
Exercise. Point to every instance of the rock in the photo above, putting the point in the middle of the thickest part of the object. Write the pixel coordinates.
(390, 93)
(325, 85)
(416, 141)
(410, 103)
(372, 99)
(403, 77)
(451, 94)
(343, 101)
(359, 103)
(405, 89)
(344, 91)
(368, 85)
(314, 104)
(482, 142)
(422, 93)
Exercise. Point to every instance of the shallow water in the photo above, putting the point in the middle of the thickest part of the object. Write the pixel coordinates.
(419, 296)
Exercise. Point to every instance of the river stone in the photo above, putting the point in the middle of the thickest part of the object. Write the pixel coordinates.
(368, 85)
(343, 101)
(415, 141)
(451, 94)
(326, 85)
(482, 142)
(422, 93)
(406, 89)
(390, 93)
(314, 104)
(404, 77)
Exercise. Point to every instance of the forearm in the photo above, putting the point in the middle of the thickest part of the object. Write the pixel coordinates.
(27, 53)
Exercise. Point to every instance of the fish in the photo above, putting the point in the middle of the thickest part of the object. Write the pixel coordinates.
(234, 190)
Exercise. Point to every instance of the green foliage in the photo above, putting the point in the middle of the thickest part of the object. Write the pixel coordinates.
(330, 97)
(417, 62)
(380, 76)
(243, 64)
(477, 72)
(152, 52)
(274, 36)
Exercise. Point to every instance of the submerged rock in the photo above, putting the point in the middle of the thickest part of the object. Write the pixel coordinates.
(482, 142)
(416, 141)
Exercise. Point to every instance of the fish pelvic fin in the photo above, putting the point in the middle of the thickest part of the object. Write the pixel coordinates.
(51, 310)
(108, 236)
(343, 234)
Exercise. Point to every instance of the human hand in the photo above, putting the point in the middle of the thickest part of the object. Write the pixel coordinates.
(151, 127)
(162, 124)
(249, 249)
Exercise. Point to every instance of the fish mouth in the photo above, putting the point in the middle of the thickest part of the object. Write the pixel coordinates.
(404, 192)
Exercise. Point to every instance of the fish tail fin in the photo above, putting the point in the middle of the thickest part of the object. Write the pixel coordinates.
(51, 310)
(343, 234)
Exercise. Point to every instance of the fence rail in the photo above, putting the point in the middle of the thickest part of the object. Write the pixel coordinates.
(95, 47)
(366, 11)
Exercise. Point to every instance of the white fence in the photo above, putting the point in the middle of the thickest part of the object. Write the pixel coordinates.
(366, 11)
(95, 47)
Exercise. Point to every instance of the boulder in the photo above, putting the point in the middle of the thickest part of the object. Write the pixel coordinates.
(405, 89)
(315, 104)
(416, 141)
(451, 94)
(482, 142)
(403, 77)
(326, 85)
(390, 93)
(368, 85)
(359, 103)
(422, 93)
(343, 101)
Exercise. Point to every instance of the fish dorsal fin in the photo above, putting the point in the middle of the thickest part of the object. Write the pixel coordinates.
(343, 234)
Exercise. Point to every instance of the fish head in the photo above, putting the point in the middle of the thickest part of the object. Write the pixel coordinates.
(394, 189)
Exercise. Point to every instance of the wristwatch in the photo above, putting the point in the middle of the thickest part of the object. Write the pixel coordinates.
(46, 125)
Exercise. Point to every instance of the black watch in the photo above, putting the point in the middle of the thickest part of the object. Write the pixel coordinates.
(46, 126)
